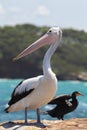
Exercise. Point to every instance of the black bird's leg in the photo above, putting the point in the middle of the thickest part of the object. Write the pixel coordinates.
(38, 115)
(25, 115)
(62, 118)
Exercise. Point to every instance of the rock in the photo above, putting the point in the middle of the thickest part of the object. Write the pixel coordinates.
(72, 124)
(82, 76)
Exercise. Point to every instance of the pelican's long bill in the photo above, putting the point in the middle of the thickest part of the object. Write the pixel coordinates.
(46, 39)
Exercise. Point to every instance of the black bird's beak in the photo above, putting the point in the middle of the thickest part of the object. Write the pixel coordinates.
(79, 94)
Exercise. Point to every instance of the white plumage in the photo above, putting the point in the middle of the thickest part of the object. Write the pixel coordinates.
(37, 91)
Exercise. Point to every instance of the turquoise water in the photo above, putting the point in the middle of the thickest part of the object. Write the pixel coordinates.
(64, 87)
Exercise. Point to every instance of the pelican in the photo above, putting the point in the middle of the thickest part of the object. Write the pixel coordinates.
(35, 92)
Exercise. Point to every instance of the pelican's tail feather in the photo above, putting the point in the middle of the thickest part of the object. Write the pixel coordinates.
(7, 109)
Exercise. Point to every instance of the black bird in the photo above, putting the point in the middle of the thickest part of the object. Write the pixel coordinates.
(64, 104)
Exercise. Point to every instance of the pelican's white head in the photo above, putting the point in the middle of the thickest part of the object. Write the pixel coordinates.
(54, 34)
(55, 31)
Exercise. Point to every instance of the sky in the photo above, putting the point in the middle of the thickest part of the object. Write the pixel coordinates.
(63, 13)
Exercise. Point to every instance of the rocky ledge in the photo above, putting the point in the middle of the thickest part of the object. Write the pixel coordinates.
(72, 124)
(75, 76)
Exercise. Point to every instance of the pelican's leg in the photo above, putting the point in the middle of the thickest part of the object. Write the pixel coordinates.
(38, 119)
(25, 115)
(38, 115)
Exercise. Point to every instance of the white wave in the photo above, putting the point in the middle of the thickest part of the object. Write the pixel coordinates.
(12, 86)
(83, 104)
(85, 84)
(75, 82)
(1, 80)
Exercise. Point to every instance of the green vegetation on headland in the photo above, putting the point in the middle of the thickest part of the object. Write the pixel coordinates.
(69, 60)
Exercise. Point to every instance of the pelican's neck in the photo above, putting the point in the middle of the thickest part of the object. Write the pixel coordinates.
(46, 62)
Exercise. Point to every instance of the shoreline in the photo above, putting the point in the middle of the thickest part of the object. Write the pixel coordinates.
(71, 124)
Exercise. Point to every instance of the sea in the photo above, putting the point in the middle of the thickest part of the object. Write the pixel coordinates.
(64, 87)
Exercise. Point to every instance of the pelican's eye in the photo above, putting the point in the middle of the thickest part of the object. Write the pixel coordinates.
(50, 30)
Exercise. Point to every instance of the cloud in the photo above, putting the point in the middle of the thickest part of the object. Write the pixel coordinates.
(15, 9)
(2, 10)
(42, 10)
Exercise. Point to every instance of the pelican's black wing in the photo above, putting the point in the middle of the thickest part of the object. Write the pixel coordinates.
(24, 88)
(18, 96)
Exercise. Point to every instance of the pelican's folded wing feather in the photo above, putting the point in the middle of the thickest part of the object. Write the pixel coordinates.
(24, 88)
